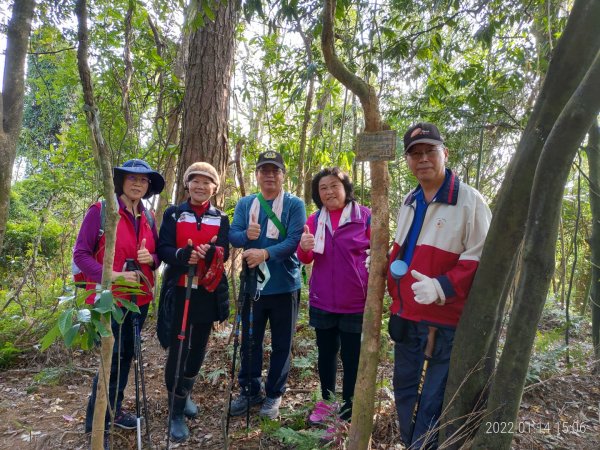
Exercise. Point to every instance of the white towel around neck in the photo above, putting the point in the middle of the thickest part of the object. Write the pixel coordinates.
(325, 221)
(272, 230)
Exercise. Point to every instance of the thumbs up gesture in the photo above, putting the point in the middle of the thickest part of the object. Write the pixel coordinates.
(143, 255)
(185, 255)
(202, 249)
(253, 231)
(307, 241)
(425, 289)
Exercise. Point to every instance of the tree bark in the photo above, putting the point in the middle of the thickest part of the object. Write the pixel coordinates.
(593, 154)
(307, 107)
(538, 256)
(11, 99)
(317, 128)
(102, 156)
(364, 391)
(476, 333)
(207, 90)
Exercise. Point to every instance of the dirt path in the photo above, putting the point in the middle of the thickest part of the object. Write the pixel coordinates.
(41, 410)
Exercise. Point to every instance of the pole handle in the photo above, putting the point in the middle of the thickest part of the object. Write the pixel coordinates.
(430, 342)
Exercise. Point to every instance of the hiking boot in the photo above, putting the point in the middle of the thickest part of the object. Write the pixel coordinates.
(179, 429)
(270, 408)
(321, 412)
(191, 409)
(125, 420)
(239, 405)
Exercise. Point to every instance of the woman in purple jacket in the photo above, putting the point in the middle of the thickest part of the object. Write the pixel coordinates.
(336, 239)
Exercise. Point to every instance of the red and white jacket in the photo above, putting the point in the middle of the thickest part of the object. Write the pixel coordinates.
(448, 249)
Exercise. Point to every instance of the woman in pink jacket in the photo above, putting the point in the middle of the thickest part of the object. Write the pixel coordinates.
(335, 240)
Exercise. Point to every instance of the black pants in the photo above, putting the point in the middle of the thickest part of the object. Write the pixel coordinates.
(281, 311)
(329, 343)
(123, 352)
(192, 354)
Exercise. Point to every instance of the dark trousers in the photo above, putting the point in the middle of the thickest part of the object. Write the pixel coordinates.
(192, 354)
(123, 352)
(329, 342)
(281, 311)
(408, 366)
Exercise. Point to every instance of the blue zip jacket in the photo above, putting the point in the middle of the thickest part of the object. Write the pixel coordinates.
(283, 263)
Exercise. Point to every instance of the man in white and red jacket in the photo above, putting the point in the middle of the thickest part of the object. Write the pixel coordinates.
(442, 225)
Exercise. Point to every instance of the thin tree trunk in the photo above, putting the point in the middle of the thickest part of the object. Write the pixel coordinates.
(102, 158)
(128, 73)
(593, 154)
(11, 99)
(307, 106)
(364, 392)
(476, 332)
(238, 168)
(538, 256)
(207, 89)
(169, 142)
(317, 128)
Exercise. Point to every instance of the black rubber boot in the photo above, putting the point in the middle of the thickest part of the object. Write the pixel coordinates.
(191, 409)
(179, 429)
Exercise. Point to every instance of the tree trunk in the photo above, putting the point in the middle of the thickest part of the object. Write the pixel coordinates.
(476, 332)
(593, 153)
(307, 107)
(11, 99)
(102, 158)
(364, 391)
(314, 136)
(538, 256)
(207, 90)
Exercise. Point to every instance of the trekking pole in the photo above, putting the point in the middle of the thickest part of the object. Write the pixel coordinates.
(236, 341)
(428, 353)
(250, 292)
(130, 265)
(181, 337)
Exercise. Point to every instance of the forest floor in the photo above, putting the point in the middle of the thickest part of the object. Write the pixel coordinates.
(43, 399)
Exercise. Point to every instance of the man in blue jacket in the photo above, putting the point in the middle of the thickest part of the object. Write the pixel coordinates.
(268, 225)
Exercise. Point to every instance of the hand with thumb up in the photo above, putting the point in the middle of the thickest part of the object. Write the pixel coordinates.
(202, 249)
(427, 290)
(307, 241)
(184, 254)
(253, 231)
(143, 255)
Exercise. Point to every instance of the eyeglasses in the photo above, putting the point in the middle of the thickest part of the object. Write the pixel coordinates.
(265, 171)
(137, 179)
(417, 156)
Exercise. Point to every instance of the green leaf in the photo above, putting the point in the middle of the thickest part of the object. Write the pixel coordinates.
(84, 315)
(101, 328)
(104, 303)
(117, 314)
(208, 11)
(71, 335)
(65, 320)
(129, 306)
(50, 337)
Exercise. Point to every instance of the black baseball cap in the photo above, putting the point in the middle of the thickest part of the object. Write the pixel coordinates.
(422, 133)
(270, 157)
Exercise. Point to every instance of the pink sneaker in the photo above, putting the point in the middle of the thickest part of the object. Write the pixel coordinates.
(321, 411)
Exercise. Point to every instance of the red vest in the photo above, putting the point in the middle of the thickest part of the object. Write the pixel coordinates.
(199, 232)
(126, 246)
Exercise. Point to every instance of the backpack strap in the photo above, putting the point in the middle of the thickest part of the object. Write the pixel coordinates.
(271, 215)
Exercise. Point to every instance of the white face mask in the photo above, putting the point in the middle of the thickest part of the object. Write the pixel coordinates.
(260, 281)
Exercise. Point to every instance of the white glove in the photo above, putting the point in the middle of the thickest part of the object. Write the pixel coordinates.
(427, 290)
(368, 260)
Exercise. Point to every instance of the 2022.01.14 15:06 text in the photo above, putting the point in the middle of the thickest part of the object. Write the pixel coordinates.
(561, 427)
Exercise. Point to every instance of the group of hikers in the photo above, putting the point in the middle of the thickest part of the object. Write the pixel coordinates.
(441, 229)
